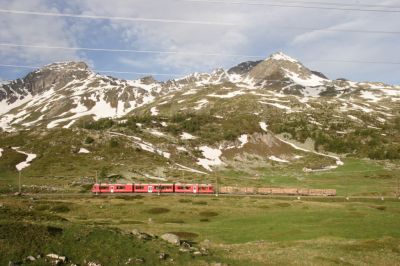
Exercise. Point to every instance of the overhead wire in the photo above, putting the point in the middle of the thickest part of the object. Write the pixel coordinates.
(293, 6)
(298, 2)
(98, 70)
(186, 53)
(83, 16)
(124, 50)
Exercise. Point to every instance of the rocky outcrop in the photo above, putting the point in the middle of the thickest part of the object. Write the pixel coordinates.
(171, 238)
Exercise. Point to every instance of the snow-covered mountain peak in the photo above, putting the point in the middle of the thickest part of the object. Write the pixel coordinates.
(280, 56)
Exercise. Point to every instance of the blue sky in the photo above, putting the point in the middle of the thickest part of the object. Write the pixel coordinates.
(202, 27)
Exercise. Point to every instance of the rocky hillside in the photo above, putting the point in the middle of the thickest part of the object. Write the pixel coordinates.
(270, 113)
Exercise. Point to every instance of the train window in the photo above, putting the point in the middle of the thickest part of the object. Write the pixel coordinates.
(104, 187)
(139, 187)
(120, 187)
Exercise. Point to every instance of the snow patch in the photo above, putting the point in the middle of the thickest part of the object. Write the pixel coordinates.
(277, 105)
(211, 157)
(243, 140)
(185, 168)
(338, 161)
(369, 95)
(144, 145)
(311, 81)
(200, 104)
(154, 111)
(226, 96)
(276, 159)
(26, 163)
(157, 133)
(83, 150)
(263, 126)
(187, 136)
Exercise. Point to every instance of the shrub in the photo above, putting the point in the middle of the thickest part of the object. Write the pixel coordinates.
(208, 214)
(157, 210)
(89, 140)
(53, 231)
(200, 202)
(60, 208)
(114, 143)
(103, 123)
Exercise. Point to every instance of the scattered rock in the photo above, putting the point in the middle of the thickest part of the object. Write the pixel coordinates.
(204, 251)
(171, 238)
(134, 261)
(139, 260)
(17, 194)
(30, 258)
(218, 264)
(184, 250)
(141, 235)
(163, 256)
(92, 263)
(205, 243)
(197, 253)
(57, 259)
(186, 244)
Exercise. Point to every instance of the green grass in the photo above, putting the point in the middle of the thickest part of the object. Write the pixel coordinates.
(329, 230)
(357, 177)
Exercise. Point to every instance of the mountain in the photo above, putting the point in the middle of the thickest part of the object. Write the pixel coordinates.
(273, 113)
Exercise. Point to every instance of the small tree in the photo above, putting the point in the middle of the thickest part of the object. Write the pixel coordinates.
(103, 173)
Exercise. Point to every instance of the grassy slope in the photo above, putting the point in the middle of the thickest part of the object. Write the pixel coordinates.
(59, 165)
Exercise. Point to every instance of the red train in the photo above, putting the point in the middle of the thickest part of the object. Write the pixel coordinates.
(153, 188)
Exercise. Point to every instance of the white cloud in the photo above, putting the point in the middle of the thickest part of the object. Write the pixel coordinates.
(263, 30)
(24, 29)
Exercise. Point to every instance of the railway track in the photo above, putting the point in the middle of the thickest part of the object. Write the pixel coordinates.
(281, 197)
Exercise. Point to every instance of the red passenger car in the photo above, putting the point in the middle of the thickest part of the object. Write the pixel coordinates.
(112, 188)
(153, 188)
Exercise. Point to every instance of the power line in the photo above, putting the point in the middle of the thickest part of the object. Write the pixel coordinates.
(356, 61)
(300, 2)
(100, 71)
(56, 14)
(338, 30)
(125, 50)
(294, 6)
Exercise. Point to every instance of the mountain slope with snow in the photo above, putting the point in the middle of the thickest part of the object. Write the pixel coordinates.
(205, 122)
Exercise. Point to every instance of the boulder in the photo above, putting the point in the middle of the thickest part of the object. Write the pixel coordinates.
(30, 258)
(171, 238)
